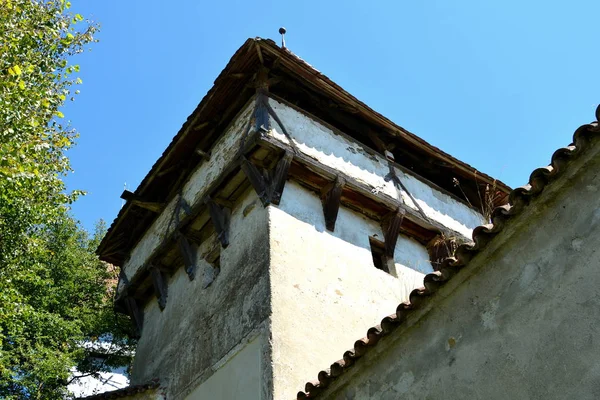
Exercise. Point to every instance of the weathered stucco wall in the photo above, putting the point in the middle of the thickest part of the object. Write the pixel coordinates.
(519, 322)
(238, 379)
(222, 154)
(300, 293)
(202, 328)
(336, 151)
(325, 289)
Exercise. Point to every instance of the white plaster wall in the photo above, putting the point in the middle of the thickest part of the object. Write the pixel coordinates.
(326, 292)
(322, 144)
(238, 379)
(520, 321)
(222, 154)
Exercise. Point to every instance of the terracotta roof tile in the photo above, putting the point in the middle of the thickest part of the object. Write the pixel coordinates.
(583, 138)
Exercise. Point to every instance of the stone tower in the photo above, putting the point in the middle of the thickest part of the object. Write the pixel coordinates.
(283, 219)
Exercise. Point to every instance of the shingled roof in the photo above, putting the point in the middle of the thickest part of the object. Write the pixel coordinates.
(298, 82)
(584, 138)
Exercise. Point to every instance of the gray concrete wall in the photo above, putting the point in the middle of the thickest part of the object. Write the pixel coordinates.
(201, 329)
(326, 291)
(519, 322)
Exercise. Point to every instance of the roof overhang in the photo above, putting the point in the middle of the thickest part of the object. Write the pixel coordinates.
(297, 82)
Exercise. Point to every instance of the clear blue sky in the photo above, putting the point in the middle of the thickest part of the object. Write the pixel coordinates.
(498, 84)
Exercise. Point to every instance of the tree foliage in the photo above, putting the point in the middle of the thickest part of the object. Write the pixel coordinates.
(54, 292)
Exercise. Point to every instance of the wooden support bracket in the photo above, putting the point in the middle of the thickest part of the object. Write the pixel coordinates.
(261, 112)
(189, 255)
(220, 219)
(330, 197)
(160, 286)
(268, 185)
(136, 314)
(391, 229)
(141, 202)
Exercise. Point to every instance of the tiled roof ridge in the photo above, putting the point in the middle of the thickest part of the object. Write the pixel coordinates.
(126, 391)
(519, 198)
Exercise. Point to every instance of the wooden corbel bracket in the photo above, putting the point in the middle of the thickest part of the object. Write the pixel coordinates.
(330, 197)
(269, 184)
(390, 225)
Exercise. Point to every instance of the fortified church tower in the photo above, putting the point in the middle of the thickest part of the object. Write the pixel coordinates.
(284, 219)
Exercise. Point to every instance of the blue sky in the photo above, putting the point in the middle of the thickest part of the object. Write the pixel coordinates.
(499, 85)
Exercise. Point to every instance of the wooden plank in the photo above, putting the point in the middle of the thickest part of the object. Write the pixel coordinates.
(390, 225)
(268, 185)
(261, 113)
(189, 256)
(220, 219)
(205, 155)
(141, 202)
(160, 286)
(279, 177)
(136, 314)
(363, 191)
(257, 180)
(330, 198)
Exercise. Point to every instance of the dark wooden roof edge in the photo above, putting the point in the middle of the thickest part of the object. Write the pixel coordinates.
(321, 81)
(249, 56)
(146, 182)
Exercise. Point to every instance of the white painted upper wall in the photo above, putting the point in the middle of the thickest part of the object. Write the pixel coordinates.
(326, 292)
(223, 153)
(349, 157)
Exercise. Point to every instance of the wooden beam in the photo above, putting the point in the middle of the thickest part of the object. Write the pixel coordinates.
(205, 155)
(330, 198)
(260, 56)
(362, 192)
(160, 286)
(391, 229)
(189, 255)
(220, 219)
(176, 167)
(141, 202)
(136, 314)
(257, 180)
(261, 111)
(279, 177)
(268, 185)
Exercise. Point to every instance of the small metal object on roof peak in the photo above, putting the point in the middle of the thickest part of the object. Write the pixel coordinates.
(282, 31)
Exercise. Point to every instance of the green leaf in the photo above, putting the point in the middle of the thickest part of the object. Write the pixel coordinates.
(78, 17)
(17, 69)
(59, 114)
(22, 84)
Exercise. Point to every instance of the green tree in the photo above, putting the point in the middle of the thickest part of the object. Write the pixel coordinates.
(56, 306)
(54, 292)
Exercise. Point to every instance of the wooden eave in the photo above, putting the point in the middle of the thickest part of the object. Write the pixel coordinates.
(293, 80)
